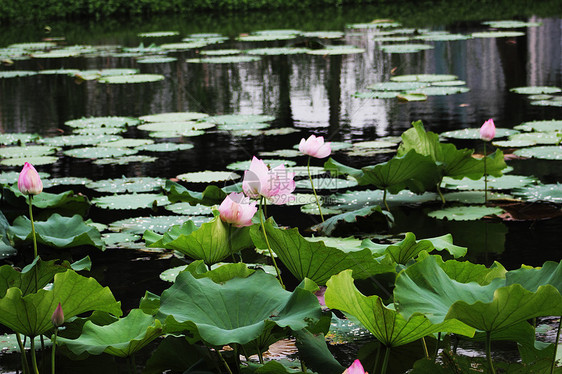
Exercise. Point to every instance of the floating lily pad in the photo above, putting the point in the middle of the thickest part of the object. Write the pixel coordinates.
(177, 127)
(208, 176)
(405, 48)
(412, 97)
(176, 134)
(514, 143)
(220, 52)
(73, 140)
(441, 90)
(313, 210)
(474, 197)
(544, 192)
(326, 183)
(34, 46)
(133, 78)
(540, 97)
(245, 165)
(556, 103)
(497, 34)
(505, 182)
(535, 90)
(323, 34)
(124, 160)
(119, 239)
(541, 126)
(99, 152)
(11, 177)
(26, 151)
(281, 153)
(189, 210)
(277, 51)
(392, 39)
(8, 138)
(360, 199)
(158, 224)
(374, 25)
(98, 131)
(223, 60)
(465, 213)
(537, 137)
(376, 95)
(165, 147)
(174, 117)
(449, 83)
(59, 53)
(228, 119)
(16, 73)
(157, 34)
(156, 60)
(543, 152)
(184, 45)
(37, 160)
(374, 144)
(265, 37)
(336, 50)
(428, 78)
(103, 122)
(131, 184)
(128, 143)
(443, 37)
(279, 131)
(244, 127)
(130, 201)
(335, 146)
(474, 133)
(397, 86)
(303, 199)
(58, 72)
(510, 24)
(302, 171)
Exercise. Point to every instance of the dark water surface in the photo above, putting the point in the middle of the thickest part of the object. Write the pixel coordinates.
(310, 93)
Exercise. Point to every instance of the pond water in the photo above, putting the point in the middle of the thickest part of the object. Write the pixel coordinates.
(310, 93)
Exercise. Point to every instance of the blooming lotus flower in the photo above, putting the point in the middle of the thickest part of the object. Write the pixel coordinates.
(29, 182)
(488, 130)
(355, 368)
(276, 184)
(237, 210)
(57, 319)
(315, 147)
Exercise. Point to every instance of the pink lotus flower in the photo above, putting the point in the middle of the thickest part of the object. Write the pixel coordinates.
(315, 147)
(488, 130)
(29, 182)
(355, 368)
(276, 184)
(57, 319)
(238, 210)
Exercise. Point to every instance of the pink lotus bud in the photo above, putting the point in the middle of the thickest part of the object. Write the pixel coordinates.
(315, 147)
(29, 182)
(237, 209)
(488, 130)
(276, 184)
(355, 368)
(57, 319)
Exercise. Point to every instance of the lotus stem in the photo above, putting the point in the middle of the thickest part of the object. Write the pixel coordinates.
(385, 362)
(384, 201)
(54, 339)
(224, 362)
(24, 363)
(260, 355)
(377, 357)
(425, 350)
(489, 352)
(33, 356)
(485, 178)
(313, 189)
(32, 226)
(267, 242)
(440, 193)
(555, 347)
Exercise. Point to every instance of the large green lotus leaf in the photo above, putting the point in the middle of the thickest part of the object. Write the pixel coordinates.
(360, 199)
(72, 140)
(31, 314)
(208, 176)
(99, 152)
(131, 78)
(16, 138)
(331, 224)
(541, 126)
(497, 34)
(176, 354)
(544, 152)
(35, 275)
(456, 163)
(156, 60)
(535, 90)
(314, 351)
(510, 24)
(376, 95)
(47, 200)
(532, 278)
(409, 248)
(173, 117)
(543, 192)
(272, 163)
(103, 122)
(129, 143)
(474, 133)
(160, 224)
(165, 147)
(276, 51)
(335, 168)
(188, 209)
(175, 126)
(219, 273)
(465, 213)
(505, 182)
(236, 311)
(212, 242)
(26, 151)
(124, 160)
(546, 138)
(177, 193)
(132, 184)
(426, 288)
(34, 160)
(412, 170)
(405, 48)
(122, 338)
(228, 119)
(65, 181)
(58, 232)
(314, 260)
(386, 324)
(130, 201)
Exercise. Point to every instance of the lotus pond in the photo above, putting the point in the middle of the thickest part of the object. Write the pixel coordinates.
(140, 129)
